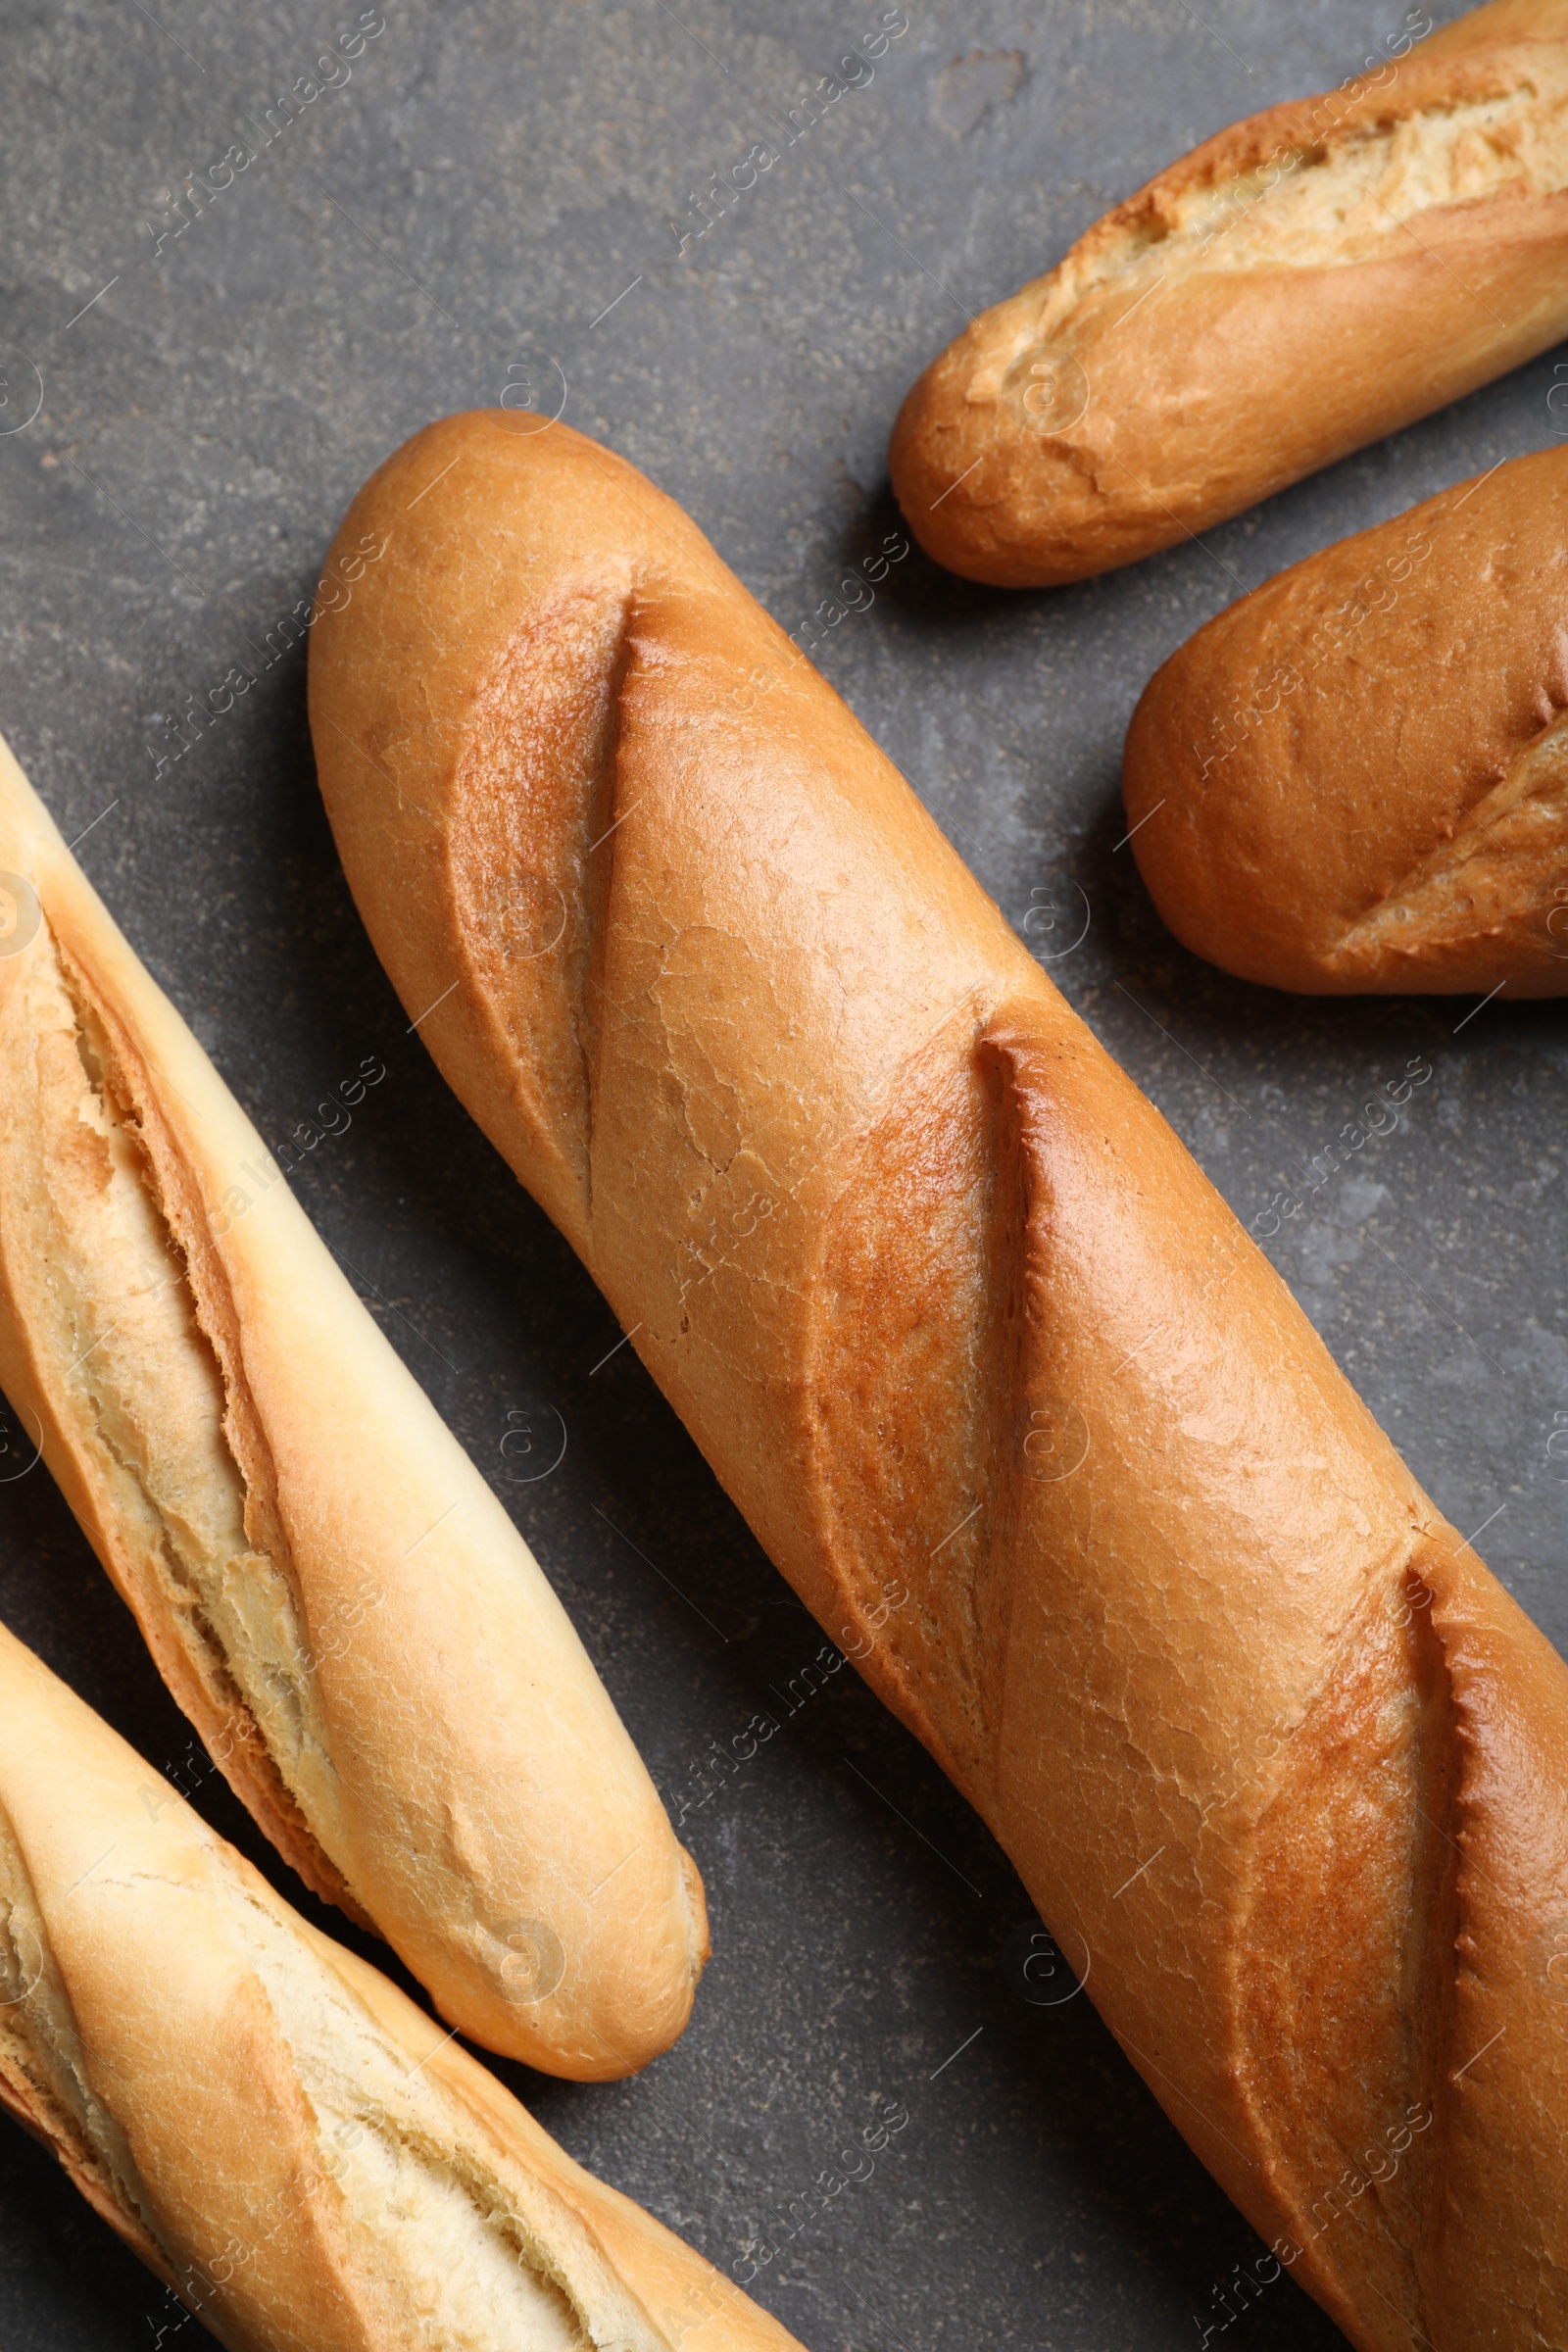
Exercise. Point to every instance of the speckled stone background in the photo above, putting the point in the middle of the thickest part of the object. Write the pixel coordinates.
(490, 191)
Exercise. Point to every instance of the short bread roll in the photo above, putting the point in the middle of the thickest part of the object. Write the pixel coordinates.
(280, 2134)
(332, 1593)
(1356, 778)
(948, 1307)
(1308, 280)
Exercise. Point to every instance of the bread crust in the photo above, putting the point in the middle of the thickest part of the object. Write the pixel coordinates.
(944, 1300)
(331, 1590)
(1305, 282)
(279, 2133)
(1355, 779)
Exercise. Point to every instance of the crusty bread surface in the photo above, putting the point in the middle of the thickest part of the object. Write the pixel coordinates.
(1357, 777)
(331, 1590)
(294, 2148)
(1308, 280)
(951, 1310)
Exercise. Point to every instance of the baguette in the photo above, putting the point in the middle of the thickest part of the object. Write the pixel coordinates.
(330, 1588)
(1356, 778)
(278, 2132)
(1308, 280)
(942, 1298)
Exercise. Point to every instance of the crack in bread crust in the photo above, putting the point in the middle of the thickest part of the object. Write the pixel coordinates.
(1345, 1957)
(1490, 877)
(1330, 203)
(531, 854)
(131, 1366)
(43, 2077)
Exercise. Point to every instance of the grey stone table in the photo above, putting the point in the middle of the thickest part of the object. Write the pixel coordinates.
(490, 193)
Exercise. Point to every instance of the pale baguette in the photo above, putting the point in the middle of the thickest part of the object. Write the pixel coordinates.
(1308, 280)
(1356, 778)
(279, 2133)
(330, 1589)
(943, 1299)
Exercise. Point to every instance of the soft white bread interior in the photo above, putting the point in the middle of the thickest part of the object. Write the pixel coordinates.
(330, 1589)
(286, 2140)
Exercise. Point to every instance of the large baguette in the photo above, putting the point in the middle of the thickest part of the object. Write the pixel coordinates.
(1308, 280)
(941, 1297)
(1356, 778)
(331, 1590)
(279, 2133)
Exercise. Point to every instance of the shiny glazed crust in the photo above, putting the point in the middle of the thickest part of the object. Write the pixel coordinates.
(334, 1595)
(1356, 778)
(285, 2139)
(953, 1314)
(1305, 282)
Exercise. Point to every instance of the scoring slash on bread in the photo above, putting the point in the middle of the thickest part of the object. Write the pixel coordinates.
(942, 1299)
(1356, 778)
(1307, 281)
(278, 2132)
(330, 1590)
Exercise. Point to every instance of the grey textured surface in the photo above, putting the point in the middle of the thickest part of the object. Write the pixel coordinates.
(490, 178)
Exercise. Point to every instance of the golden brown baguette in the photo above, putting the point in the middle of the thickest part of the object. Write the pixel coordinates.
(1356, 778)
(942, 1298)
(331, 1590)
(1309, 279)
(279, 2133)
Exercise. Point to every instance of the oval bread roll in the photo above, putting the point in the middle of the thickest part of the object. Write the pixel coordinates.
(279, 2132)
(950, 1311)
(1308, 280)
(330, 1590)
(1356, 778)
